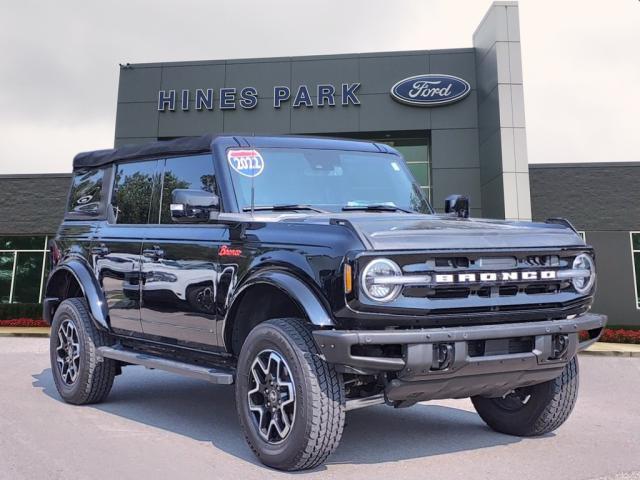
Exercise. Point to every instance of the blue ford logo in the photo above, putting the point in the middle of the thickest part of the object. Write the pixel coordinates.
(430, 90)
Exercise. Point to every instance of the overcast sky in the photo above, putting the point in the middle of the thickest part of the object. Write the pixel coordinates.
(59, 62)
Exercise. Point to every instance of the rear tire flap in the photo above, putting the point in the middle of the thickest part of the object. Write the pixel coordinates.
(96, 374)
(549, 406)
(319, 389)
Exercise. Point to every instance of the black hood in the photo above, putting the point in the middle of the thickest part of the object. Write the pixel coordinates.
(400, 231)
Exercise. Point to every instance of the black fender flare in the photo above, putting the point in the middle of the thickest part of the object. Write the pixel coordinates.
(90, 289)
(299, 291)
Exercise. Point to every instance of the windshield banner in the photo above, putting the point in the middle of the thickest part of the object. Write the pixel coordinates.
(246, 162)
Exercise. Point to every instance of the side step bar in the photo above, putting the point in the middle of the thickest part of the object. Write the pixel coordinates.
(213, 375)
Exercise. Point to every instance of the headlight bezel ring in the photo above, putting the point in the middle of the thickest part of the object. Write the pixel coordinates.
(578, 265)
(394, 289)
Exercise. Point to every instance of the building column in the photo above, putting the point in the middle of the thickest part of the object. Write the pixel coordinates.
(504, 169)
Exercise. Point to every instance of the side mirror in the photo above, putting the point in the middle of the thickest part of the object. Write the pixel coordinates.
(188, 206)
(458, 204)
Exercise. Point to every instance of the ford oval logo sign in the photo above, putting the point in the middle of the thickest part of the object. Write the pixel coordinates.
(430, 90)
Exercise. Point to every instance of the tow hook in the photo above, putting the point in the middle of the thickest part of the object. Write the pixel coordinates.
(559, 345)
(442, 356)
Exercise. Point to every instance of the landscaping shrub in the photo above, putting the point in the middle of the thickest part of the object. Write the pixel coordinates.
(620, 336)
(616, 335)
(10, 311)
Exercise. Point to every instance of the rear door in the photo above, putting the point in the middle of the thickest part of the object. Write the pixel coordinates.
(118, 248)
(180, 267)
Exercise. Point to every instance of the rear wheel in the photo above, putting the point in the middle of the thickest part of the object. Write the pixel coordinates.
(533, 410)
(80, 376)
(290, 402)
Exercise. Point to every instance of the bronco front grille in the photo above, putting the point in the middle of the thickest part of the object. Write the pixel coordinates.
(484, 292)
(457, 265)
(475, 283)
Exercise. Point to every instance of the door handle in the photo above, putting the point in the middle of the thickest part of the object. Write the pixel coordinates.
(155, 253)
(100, 251)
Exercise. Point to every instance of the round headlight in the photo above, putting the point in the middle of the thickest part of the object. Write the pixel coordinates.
(584, 282)
(378, 290)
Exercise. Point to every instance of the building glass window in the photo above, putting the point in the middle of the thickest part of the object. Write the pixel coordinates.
(23, 267)
(635, 252)
(26, 279)
(416, 153)
(6, 274)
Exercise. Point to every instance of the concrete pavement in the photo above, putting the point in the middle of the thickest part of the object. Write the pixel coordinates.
(158, 425)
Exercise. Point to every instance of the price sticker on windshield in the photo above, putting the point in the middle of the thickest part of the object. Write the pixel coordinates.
(246, 162)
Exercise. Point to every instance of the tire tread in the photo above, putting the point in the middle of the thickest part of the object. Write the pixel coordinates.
(101, 372)
(553, 403)
(326, 397)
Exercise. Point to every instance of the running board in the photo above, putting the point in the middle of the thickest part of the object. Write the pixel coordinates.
(213, 375)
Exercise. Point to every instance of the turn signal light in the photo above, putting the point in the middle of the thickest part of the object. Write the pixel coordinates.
(348, 278)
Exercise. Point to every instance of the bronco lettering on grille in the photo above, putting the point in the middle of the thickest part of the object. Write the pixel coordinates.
(496, 277)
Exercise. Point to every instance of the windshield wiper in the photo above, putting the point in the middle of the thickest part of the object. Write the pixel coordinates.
(282, 207)
(375, 207)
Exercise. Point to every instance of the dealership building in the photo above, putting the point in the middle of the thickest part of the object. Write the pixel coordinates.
(457, 116)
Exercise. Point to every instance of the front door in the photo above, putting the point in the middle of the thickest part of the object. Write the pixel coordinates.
(179, 263)
(180, 274)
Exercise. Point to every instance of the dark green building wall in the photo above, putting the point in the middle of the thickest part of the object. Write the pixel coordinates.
(603, 201)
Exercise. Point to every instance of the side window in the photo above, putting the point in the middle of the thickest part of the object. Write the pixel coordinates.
(193, 173)
(86, 192)
(132, 190)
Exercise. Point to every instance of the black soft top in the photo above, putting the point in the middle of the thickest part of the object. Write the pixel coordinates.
(183, 145)
(193, 145)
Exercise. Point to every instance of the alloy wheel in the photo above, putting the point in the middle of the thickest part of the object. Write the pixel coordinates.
(271, 397)
(68, 352)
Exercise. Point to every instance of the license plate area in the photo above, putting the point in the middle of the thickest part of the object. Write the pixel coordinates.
(500, 346)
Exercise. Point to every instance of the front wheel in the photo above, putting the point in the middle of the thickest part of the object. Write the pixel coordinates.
(290, 402)
(534, 410)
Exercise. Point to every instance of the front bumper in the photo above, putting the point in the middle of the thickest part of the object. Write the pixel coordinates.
(419, 373)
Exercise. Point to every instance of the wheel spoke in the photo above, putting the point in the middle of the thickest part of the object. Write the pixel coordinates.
(67, 352)
(271, 396)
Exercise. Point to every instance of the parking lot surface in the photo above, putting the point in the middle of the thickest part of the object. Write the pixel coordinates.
(161, 426)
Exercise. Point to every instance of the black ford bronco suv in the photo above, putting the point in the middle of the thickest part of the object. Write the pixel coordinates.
(314, 275)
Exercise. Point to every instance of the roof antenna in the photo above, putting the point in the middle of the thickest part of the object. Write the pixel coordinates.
(253, 194)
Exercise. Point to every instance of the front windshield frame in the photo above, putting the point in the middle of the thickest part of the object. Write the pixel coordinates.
(397, 160)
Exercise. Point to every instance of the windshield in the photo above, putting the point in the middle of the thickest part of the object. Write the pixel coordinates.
(329, 180)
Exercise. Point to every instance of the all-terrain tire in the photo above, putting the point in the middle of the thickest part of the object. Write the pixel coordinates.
(549, 405)
(95, 374)
(319, 396)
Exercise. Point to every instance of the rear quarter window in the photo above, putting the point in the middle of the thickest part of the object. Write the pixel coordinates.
(85, 198)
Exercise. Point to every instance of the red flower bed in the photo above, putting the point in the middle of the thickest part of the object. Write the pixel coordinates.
(620, 335)
(22, 322)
